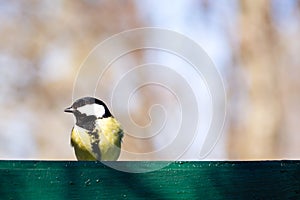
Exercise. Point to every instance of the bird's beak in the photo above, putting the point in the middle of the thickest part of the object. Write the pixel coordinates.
(69, 110)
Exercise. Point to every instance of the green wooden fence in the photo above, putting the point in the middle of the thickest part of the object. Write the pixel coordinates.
(179, 180)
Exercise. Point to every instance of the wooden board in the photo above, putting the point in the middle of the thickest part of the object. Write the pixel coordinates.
(179, 180)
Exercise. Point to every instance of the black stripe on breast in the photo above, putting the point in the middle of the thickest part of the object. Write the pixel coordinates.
(95, 144)
(86, 122)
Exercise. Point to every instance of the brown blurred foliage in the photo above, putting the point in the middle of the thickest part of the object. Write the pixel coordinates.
(43, 43)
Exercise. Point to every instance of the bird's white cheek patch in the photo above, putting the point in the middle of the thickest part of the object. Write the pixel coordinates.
(92, 109)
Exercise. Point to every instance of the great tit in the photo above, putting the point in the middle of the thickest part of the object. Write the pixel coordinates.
(96, 135)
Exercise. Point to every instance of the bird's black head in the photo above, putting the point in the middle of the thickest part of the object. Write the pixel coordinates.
(86, 110)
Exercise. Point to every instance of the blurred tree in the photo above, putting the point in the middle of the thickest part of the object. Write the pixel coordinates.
(255, 135)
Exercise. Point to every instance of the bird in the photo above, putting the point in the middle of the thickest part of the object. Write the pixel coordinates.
(96, 135)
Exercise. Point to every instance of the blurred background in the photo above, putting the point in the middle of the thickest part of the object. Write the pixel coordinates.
(254, 44)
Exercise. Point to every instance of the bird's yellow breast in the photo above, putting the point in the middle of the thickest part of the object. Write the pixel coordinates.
(102, 143)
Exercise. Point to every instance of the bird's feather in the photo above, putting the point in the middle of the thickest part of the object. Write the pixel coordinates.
(103, 143)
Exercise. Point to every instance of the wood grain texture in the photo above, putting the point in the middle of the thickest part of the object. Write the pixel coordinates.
(179, 180)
